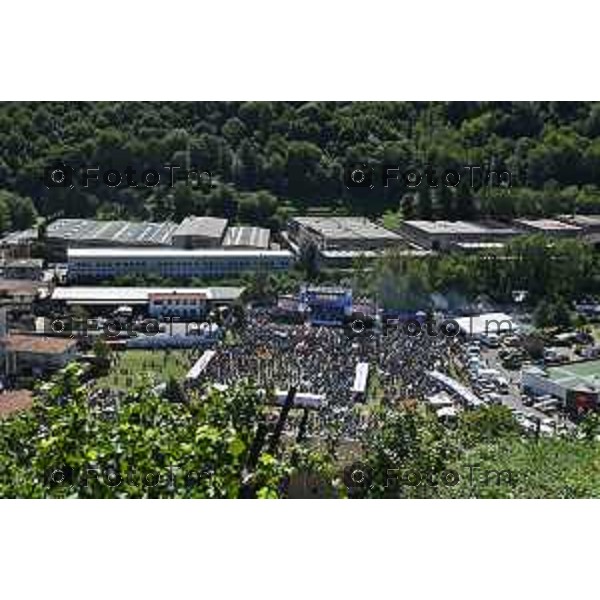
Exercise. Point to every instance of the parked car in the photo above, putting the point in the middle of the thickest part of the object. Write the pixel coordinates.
(511, 341)
(527, 400)
(491, 340)
(474, 362)
(502, 384)
(493, 398)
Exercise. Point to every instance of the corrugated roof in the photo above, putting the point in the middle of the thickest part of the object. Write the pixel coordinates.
(347, 228)
(256, 237)
(126, 233)
(171, 253)
(127, 295)
(211, 227)
(547, 225)
(459, 227)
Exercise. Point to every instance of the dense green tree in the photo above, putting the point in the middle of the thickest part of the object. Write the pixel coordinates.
(552, 313)
(407, 207)
(18, 212)
(297, 151)
(309, 260)
(143, 446)
(425, 203)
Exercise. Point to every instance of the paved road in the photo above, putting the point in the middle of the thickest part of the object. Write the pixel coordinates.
(513, 398)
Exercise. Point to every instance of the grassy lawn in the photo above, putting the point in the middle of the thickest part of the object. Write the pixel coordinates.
(231, 338)
(129, 366)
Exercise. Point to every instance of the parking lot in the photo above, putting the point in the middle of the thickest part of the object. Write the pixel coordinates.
(496, 383)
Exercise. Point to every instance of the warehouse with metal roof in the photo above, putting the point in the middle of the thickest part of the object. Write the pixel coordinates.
(438, 235)
(552, 227)
(339, 233)
(199, 232)
(104, 295)
(90, 232)
(247, 237)
(86, 233)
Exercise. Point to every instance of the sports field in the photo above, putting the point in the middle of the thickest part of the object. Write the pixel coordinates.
(131, 365)
(586, 370)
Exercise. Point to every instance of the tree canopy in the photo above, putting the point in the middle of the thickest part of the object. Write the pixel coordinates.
(143, 445)
(268, 158)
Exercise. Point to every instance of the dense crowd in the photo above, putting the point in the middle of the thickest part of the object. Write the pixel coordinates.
(323, 360)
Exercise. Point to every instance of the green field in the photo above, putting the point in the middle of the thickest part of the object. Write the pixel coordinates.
(132, 365)
(584, 370)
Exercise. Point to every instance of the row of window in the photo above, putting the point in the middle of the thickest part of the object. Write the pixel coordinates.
(179, 302)
(175, 268)
(175, 311)
(180, 265)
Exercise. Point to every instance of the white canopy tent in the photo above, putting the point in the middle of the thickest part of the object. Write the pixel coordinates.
(464, 393)
(486, 323)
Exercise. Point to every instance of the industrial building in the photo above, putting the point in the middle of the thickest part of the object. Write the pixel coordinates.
(346, 259)
(551, 227)
(89, 264)
(199, 232)
(155, 301)
(479, 247)
(576, 384)
(193, 232)
(86, 233)
(445, 235)
(342, 233)
(247, 237)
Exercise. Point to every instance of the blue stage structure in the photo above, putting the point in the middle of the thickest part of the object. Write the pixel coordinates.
(327, 305)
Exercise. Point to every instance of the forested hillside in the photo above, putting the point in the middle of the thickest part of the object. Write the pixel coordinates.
(271, 158)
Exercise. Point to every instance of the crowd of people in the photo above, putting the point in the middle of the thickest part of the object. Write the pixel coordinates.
(323, 360)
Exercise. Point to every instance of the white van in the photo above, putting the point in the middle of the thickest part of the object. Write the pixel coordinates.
(488, 374)
(502, 384)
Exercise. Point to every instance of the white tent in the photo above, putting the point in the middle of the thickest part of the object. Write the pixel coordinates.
(200, 365)
(464, 393)
(448, 412)
(360, 378)
(440, 400)
(486, 323)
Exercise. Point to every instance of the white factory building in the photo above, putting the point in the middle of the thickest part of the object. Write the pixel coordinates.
(88, 264)
(156, 301)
